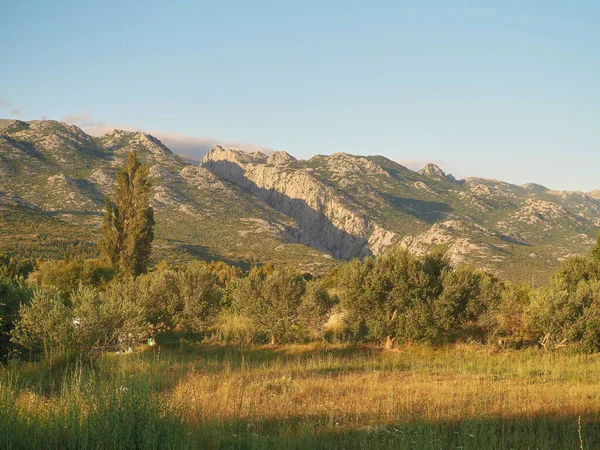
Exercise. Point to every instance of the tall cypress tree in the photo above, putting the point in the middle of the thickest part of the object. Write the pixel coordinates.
(128, 225)
(596, 248)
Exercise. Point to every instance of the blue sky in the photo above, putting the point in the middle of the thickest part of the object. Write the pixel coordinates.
(507, 90)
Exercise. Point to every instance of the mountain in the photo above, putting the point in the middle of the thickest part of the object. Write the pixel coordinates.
(249, 207)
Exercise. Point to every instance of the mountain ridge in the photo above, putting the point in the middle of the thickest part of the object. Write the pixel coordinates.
(248, 208)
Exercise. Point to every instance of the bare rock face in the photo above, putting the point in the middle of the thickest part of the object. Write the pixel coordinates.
(433, 171)
(323, 220)
(459, 238)
(280, 158)
(538, 211)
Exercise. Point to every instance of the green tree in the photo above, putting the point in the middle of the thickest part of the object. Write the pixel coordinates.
(106, 318)
(128, 225)
(65, 275)
(45, 325)
(314, 309)
(596, 249)
(13, 293)
(275, 303)
(400, 296)
(567, 312)
(200, 297)
(388, 297)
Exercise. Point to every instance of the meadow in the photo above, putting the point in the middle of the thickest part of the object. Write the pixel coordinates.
(182, 394)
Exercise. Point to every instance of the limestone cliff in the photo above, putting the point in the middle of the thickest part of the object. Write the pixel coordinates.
(323, 220)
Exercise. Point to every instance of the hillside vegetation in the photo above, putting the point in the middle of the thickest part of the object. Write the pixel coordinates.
(252, 208)
(398, 349)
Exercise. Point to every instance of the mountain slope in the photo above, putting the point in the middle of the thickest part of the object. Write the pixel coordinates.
(65, 174)
(250, 207)
(349, 205)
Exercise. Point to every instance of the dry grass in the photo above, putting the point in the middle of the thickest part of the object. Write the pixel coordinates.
(320, 396)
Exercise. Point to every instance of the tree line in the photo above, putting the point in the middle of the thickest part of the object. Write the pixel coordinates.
(59, 308)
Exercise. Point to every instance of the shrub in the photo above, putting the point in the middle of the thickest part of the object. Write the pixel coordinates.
(13, 293)
(509, 315)
(65, 276)
(158, 292)
(568, 311)
(279, 304)
(390, 297)
(14, 269)
(45, 326)
(400, 296)
(106, 319)
(235, 328)
(314, 310)
(200, 298)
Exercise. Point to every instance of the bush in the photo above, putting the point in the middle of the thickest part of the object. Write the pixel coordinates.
(568, 311)
(106, 319)
(158, 292)
(314, 310)
(45, 326)
(14, 269)
(200, 298)
(235, 328)
(13, 293)
(187, 298)
(279, 305)
(509, 315)
(65, 276)
(400, 296)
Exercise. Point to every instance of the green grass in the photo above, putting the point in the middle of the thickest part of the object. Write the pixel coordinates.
(186, 395)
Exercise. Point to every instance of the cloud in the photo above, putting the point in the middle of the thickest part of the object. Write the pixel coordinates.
(189, 146)
(14, 112)
(87, 123)
(77, 119)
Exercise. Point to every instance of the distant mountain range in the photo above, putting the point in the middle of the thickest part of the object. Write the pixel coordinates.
(250, 208)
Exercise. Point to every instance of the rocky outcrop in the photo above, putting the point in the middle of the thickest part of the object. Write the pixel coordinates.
(9, 198)
(594, 194)
(322, 217)
(433, 171)
(280, 158)
(460, 239)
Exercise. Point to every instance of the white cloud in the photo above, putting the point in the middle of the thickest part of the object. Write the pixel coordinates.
(78, 119)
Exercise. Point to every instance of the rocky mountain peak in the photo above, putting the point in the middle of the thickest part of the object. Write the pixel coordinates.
(123, 141)
(239, 157)
(594, 194)
(280, 158)
(434, 171)
(11, 126)
(344, 165)
(533, 187)
(55, 128)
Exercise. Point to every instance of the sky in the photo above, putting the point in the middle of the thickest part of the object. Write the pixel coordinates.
(507, 90)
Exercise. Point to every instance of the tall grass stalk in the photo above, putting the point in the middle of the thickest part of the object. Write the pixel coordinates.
(314, 396)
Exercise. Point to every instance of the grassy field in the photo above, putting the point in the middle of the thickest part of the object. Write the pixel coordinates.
(186, 395)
